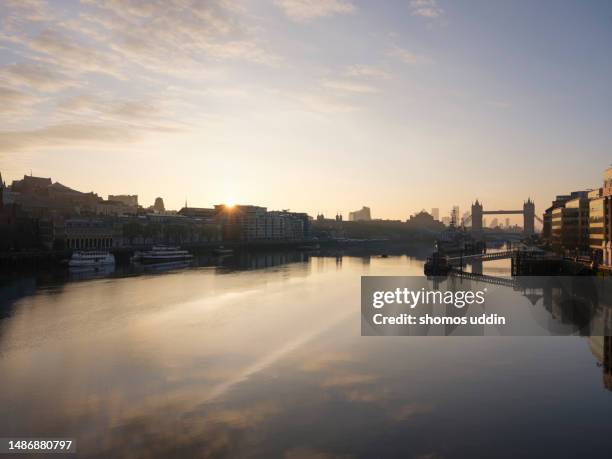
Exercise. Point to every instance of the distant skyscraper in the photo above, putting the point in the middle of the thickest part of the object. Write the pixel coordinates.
(494, 223)
(455, 215)
(159, 205)
(507, 222)
(362, 214)
(435, 213)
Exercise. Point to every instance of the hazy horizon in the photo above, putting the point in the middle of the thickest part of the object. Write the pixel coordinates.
(317, 106)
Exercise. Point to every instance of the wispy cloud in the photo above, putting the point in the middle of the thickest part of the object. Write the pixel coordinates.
(60, 51)
(112, 37)
(349, 86)
(367, 71)
(305, 10)
(426, 8)
(34, 76)
(65, 135)
(17, 11)
(407, 56)
(314, 101)
(64, 58)
(15, 105)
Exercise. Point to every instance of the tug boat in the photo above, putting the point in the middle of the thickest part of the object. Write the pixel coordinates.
(162, 254)
(437, 265)
(91, 259)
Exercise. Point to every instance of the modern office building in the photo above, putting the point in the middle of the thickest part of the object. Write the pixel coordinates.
(559, 202)
(435, 213)
(252, 223)
(570, 224)
(362, 214)
(597, 224)
(607, 205)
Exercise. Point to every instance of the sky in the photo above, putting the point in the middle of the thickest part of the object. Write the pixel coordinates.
(309, 105)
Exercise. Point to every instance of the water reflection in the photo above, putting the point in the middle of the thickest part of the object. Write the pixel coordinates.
(262, 356)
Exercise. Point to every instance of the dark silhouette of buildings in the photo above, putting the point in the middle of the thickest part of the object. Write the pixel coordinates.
(158, 206)
(36, 213)
(424, 221)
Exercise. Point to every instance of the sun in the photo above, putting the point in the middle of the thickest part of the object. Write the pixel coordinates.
(229, 203)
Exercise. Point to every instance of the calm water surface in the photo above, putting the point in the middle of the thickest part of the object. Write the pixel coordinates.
(269, 362)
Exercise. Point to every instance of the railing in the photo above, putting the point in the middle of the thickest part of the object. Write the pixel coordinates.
(507, 282)
(484, 256)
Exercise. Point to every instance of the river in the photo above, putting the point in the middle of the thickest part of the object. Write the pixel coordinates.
(265, 358)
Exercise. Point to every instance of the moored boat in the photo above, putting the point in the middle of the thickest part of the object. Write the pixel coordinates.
(91, 258)
(437, 265)
(163, 254)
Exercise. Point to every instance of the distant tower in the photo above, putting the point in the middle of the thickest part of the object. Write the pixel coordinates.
(455, 216)
(338, 217)
(528, 217)
(1, 192)
(477, 218)
(435, 213)
(159, 205)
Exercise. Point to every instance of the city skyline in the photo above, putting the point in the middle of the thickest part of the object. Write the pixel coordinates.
(136, 200)
(316, 106)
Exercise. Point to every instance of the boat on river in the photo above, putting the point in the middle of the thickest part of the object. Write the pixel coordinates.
(162, 254)
(91, 259)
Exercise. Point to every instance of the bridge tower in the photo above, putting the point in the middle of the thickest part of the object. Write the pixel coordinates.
(477, 218)
(528, 217)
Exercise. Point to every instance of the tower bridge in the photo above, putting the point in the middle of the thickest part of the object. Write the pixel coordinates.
(528, 212)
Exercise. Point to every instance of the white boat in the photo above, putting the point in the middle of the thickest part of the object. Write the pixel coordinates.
(92, 258)
(163, 254)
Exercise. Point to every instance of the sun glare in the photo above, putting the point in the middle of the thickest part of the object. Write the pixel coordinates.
(229, 203)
